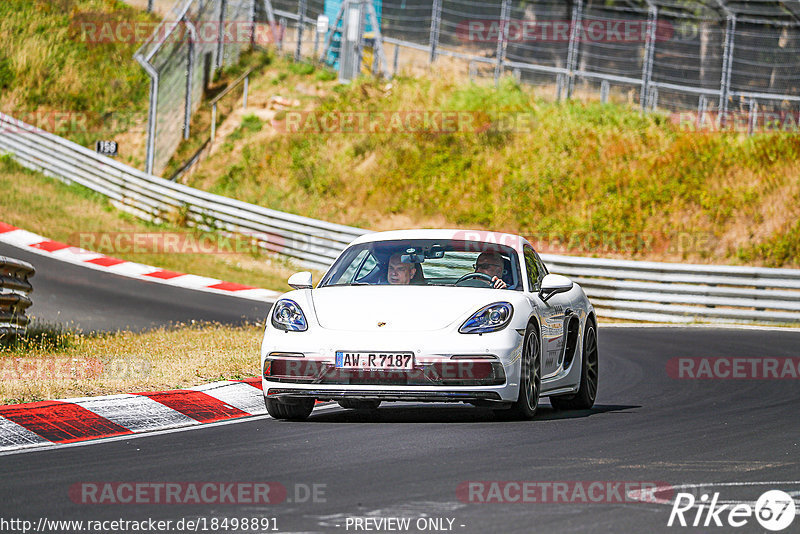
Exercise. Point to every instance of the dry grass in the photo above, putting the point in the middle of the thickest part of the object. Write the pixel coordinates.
(167, 358)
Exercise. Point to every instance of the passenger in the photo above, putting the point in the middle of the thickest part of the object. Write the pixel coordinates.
(491, 263)
(400, 273)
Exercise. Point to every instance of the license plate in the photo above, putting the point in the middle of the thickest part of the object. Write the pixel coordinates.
(374, 360)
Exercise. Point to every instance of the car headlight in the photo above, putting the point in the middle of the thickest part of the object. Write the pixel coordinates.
(287, 315)
(488, 319)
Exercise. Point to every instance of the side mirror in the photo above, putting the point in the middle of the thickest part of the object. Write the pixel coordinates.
(301, 280)
(553, 284)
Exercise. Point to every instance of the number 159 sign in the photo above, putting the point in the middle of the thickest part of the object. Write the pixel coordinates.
(107, 148)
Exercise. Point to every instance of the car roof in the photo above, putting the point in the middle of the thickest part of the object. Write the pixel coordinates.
(481, 236)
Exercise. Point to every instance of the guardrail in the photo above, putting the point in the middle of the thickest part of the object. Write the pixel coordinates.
(642, 291)
(684, 293)
(312, 242)
(15, 290)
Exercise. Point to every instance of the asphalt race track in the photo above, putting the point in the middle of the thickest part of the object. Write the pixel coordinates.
(94, 300)
(735, 437)
(408, 460)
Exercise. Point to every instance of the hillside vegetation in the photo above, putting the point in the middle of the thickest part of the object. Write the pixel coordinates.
(579, 177)
(55, 76)
(46, 63)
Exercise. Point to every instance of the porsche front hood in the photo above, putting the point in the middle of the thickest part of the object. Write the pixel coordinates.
(399, 308)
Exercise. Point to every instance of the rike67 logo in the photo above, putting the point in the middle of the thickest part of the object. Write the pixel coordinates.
(774, 510)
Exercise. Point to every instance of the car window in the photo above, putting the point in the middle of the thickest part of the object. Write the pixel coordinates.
(436, 263)
(368, 266)
(542, 269)
(532, 268)
(349, 273)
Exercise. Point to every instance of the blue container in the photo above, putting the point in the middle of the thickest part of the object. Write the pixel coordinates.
(332, 8)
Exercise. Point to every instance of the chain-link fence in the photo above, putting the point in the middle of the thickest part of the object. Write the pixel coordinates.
(722, 57)
(705, 55)
(196, 38)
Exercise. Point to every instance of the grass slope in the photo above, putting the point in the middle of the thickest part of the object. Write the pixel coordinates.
(576, 176)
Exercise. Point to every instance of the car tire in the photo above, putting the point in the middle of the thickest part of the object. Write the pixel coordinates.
(587, 389)
(352, 404)
(530, 380)
(295, 409)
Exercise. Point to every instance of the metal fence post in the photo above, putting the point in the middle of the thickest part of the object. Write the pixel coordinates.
(502, 38)
(282, 32)
(753, 118)
(187, 111)
(649, 53)
(727, 63)
(221, 34)
(149, 6)
(396, 59)
(436, 20)
(213, 122)
(652, 98)
(559, 86)
(271, 20)
(701, 111)
(252, 16)
(605, 88)
(246, 88)
(152, 114)
(574, 40)
(301, 15)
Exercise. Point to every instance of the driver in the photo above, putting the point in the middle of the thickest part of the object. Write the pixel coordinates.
(491, 264)
(400, 273)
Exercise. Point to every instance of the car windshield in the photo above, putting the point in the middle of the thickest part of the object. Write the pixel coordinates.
(425, 262)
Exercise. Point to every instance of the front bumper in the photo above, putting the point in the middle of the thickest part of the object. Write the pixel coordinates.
(448, 367)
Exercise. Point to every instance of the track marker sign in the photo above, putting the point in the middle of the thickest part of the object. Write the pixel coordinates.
(107, 148)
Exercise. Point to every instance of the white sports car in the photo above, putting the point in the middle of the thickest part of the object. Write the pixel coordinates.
(431, 316)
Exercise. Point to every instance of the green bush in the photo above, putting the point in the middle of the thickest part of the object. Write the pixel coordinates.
(302, 68)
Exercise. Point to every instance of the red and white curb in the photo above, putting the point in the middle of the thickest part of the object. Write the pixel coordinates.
(94, 260)
(46, 423)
